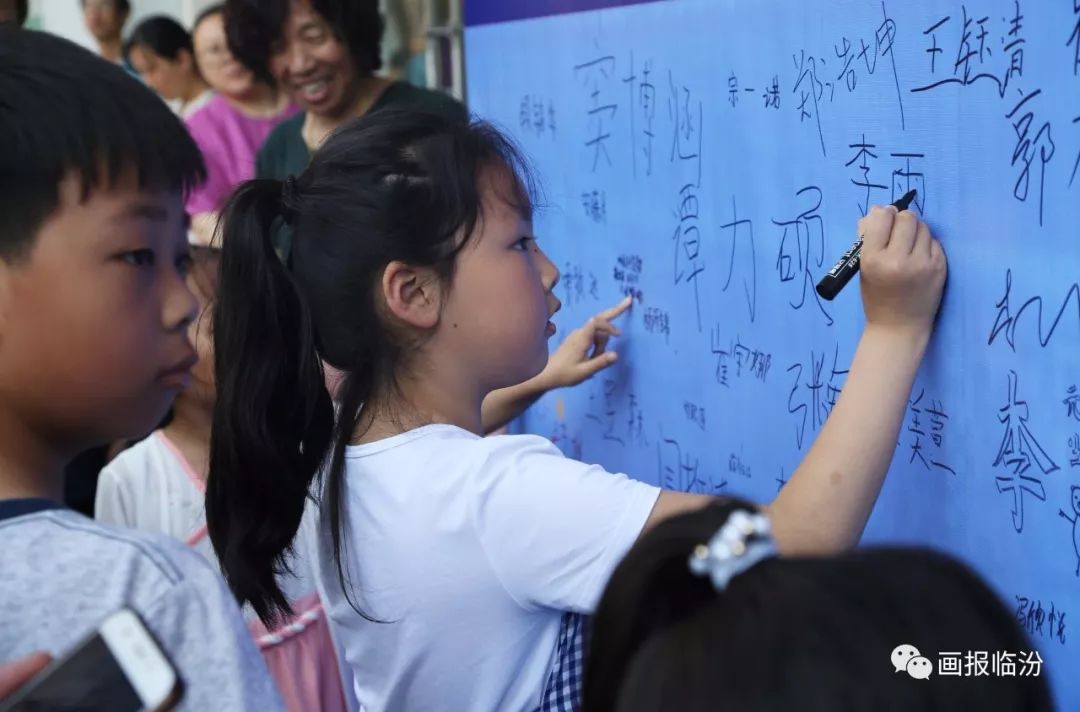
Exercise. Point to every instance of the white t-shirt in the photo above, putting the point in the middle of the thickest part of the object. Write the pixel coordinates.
(469, 549)
(151, 487)
(185, 110)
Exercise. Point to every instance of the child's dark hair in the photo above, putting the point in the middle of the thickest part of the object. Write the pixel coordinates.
(254, 28)
(163, 36)
(389, 186)
(812, 634)
(64, 109)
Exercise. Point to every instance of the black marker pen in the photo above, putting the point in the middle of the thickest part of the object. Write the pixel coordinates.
(842, 272)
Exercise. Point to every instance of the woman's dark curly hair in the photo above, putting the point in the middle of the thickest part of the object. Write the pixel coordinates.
(254, 27)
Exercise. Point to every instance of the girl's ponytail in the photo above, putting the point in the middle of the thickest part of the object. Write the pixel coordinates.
(273, 419)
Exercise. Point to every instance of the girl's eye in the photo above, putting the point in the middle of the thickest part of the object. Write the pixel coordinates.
(523, 244)
(139, 258)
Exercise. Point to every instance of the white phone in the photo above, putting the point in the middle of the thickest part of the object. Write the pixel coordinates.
(119, 667)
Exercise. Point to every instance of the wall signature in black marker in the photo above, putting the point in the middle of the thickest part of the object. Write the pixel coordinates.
(643, 107)
(1008, 319)
(680, 470)
(822, 393)
(742, 235)
(595, 77)
(1033, 617)
(802, 250)
(1018, 451)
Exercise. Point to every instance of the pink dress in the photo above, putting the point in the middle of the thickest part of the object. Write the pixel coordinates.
(229, 141)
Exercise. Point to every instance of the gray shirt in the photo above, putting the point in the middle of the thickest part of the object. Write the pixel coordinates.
(61, 574)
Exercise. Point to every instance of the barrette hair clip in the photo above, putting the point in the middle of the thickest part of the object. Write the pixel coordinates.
(743, 541)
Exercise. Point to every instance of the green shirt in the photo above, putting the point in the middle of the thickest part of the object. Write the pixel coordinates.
(284, 152)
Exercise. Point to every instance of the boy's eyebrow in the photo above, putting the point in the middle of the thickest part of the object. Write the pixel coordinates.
(144, 211)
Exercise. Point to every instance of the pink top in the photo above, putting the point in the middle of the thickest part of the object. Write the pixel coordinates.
(229, 141)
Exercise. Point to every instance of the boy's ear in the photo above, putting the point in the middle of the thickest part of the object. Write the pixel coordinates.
(412, 294)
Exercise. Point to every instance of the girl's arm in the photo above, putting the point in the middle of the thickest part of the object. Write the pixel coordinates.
(581, 355)
(826, 503)
(17, 673)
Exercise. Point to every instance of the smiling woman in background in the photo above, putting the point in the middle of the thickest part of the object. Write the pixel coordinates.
(232, 126)
(326, 53)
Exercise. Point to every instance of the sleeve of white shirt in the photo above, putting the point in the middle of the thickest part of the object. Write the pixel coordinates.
(114, 502)
(553, 528)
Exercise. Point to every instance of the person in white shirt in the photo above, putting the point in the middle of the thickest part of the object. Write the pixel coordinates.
(456, 567)
(105, 21)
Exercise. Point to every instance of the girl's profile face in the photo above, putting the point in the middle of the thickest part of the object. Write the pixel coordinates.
(496, 317)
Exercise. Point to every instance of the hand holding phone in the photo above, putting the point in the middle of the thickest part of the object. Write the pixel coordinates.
(14, 674)
(119, 667)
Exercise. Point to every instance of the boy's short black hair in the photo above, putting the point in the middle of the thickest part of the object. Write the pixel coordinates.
(254, 27)
(65, 109)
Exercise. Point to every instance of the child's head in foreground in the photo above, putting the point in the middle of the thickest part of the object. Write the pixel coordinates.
(94, 310)
(808, 634)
